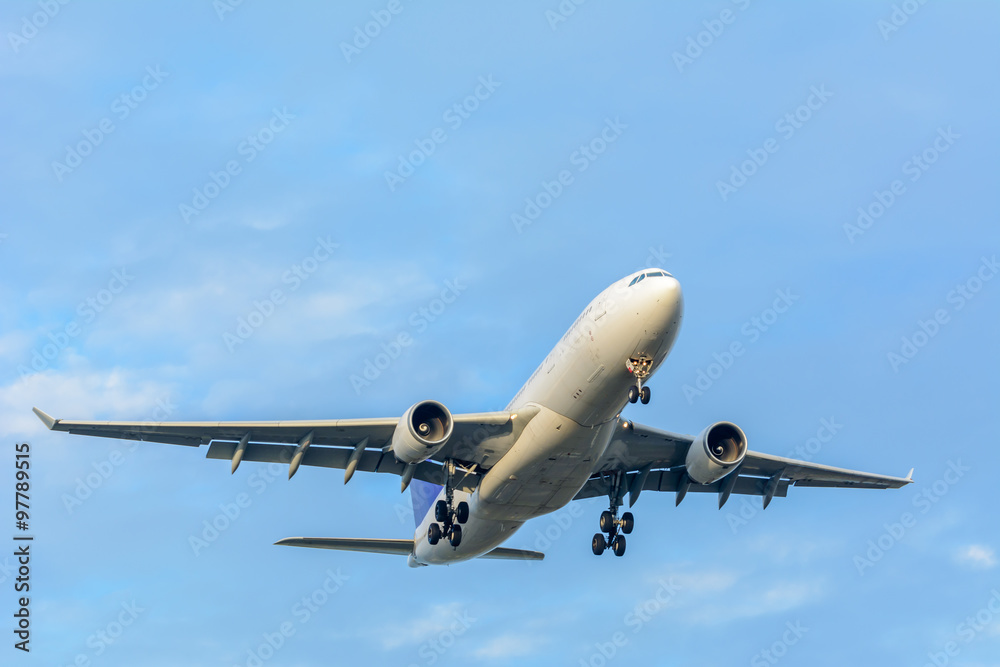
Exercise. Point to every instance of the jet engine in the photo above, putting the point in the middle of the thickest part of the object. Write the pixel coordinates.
(716, 452)
(422, 431)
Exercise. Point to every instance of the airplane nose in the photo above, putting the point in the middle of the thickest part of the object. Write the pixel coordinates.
(669, 299)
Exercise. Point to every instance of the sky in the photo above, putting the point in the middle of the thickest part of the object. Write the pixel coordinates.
(228, 210)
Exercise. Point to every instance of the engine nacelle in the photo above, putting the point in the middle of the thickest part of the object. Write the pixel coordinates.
(716, 452)
(422, 431)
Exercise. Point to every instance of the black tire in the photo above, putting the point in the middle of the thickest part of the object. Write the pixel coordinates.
(598, 544)
(607, 521)
(644, 395)
(434, 533)
(633, 394)
(441, 511)
(455, 536)
(462, 512)
(618, 546)
(628, 522)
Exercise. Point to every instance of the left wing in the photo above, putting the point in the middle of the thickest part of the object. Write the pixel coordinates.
(643, 458)
(477, 442)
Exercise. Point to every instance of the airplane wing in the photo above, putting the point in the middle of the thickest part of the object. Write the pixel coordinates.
(478, 440)
(643, 458)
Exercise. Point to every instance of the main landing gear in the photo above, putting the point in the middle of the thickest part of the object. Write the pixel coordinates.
(615, 528)
(448, 516)
(640, 368)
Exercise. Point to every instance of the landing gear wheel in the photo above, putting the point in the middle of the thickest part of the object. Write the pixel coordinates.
(627, 522)
(607, 521)
(441, 511)
(633, 394)
(455, 537)
(434, 533)
(599, 544)
(462, 512)
(618, 545)
(644, 395)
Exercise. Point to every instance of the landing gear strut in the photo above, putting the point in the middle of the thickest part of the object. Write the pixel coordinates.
(447, 515)
(640, 368)
(614, 527)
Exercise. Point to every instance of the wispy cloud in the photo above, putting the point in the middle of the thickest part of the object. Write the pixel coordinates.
(510, 645)
(977, 556)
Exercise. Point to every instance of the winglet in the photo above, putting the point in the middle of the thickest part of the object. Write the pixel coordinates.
(46, 419)
(909, 475)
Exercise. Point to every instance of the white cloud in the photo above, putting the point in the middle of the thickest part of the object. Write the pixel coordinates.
(508, 646)
(716, 597)
(977, 556)
(78, 394)
(422, 627)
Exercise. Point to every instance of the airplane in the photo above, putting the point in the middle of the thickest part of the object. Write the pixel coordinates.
(476, 478)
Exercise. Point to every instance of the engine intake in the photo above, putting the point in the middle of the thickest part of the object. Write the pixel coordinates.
(423, 430)
(716, 452)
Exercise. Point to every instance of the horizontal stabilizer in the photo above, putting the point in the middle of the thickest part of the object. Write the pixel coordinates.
(514, 554)
(397, 547)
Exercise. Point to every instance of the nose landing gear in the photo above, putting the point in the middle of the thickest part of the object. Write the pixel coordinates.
(639, 367)
(447, 515)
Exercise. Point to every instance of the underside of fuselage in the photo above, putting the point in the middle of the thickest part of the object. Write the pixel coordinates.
(572, 401)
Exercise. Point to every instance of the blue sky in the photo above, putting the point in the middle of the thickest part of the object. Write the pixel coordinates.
(171, 170)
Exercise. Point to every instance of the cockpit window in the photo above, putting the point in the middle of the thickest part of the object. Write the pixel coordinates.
(649, 274)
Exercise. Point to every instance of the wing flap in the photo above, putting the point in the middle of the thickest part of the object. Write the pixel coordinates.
(670, 480)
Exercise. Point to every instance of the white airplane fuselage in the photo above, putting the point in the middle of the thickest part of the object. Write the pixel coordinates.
(575, 397)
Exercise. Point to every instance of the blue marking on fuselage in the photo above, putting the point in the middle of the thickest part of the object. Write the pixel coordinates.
(422, 494)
